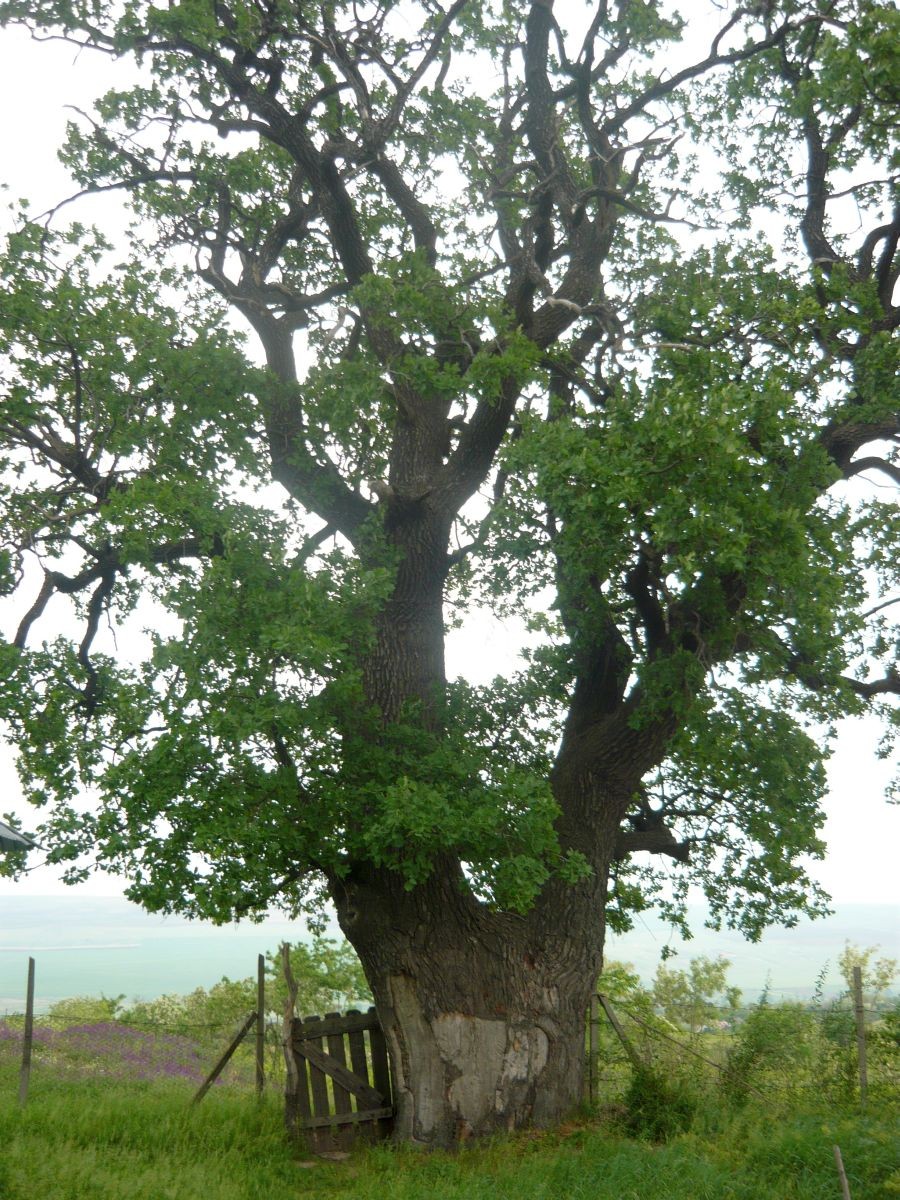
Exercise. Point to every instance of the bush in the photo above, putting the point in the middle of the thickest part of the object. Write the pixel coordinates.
(776, 1045)
(328, 974)
(658, 1108)
(884, 1056)
(83, 1010)
(206, 1012)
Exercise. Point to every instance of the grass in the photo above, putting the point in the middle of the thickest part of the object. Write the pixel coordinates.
(87, 1140)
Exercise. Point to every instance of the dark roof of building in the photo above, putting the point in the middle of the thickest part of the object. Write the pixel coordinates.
(11, 839)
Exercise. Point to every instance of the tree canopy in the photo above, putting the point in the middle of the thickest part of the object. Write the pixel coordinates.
(582, 316)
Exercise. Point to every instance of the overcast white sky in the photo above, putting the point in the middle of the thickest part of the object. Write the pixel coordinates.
(36, 82)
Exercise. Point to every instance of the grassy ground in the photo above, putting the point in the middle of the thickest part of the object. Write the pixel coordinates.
(86, 1140)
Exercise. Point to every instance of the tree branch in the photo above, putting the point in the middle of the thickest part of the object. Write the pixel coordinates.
(48, 587)
(805, 672)
(107, 566)
(639, 586)
(873, 463)
(98, 602)
(664, 87)
(655, 841)
(843, 439)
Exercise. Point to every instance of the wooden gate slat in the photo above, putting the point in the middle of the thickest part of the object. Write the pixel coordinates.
(357, 1043)
(321, 1107)
(359, 1059)
(342, 1132)
(337, 1051)
(353, 1118)
(342, 1023)
(323, 1064)
(302, 1099)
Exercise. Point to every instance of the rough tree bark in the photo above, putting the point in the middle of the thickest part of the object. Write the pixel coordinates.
(483, 1011)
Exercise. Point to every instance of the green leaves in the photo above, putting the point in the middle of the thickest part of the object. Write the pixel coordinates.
(580, 338)
(743, 785)
(492, 808)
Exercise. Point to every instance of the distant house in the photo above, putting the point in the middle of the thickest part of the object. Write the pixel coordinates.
(10, 839)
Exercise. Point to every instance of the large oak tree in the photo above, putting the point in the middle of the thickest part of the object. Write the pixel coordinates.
(584, 315)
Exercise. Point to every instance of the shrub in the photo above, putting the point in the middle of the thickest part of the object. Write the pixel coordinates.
(658, 1108)
(83, 1010)
(776, 1045)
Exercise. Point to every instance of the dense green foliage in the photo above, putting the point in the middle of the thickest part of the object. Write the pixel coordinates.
(696, 996)
(562, 316)
(877, 974)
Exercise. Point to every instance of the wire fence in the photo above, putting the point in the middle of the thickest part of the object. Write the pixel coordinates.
(140, 1051)
(844, 1049)
(229, 1035)
(787, 1051)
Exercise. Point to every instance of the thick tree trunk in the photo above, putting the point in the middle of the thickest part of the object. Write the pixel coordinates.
(459, 1074)
(405, 664)
(483, 1011)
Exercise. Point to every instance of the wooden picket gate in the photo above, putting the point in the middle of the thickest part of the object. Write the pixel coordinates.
(339, 1080)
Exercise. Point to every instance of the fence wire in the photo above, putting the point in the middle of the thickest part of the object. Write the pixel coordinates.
(774, 1050)
(144, 1051)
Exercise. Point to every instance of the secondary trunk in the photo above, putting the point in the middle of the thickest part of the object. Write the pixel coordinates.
(483, 1011)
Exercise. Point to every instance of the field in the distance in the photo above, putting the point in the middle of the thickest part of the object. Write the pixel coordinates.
(93, 1140)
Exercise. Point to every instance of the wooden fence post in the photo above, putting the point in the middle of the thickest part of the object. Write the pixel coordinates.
(223, 1061)
(842, 1174)
(623, 1036)
(260, 1024)
(25, 1072)
(860, 1034)
(296, 1095)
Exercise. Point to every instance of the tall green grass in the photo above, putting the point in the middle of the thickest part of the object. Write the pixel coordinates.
(89, 1140)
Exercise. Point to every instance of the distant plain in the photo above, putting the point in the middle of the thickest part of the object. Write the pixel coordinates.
(93, 945)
